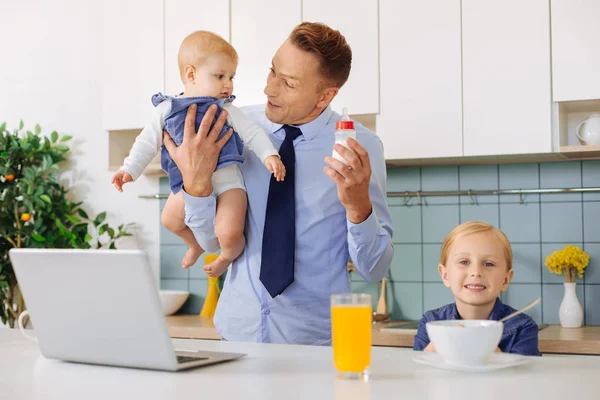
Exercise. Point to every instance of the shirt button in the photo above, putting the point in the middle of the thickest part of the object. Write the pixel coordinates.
(266, 312)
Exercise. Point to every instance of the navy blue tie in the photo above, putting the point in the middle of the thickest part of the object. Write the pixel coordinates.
(279, 237)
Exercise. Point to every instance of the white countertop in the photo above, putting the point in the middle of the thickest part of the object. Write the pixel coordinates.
(287, 372)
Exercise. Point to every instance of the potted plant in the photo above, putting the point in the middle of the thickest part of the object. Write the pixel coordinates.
(36, 210)
(570, 262)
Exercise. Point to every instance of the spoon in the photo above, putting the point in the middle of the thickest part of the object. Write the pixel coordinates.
(527, 307)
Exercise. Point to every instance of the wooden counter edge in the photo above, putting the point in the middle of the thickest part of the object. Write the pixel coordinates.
(553, 339)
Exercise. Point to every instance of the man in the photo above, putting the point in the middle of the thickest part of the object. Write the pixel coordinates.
(278, 290)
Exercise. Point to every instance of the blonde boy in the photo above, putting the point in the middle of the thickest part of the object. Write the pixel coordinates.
(476, 264)
(207, 64)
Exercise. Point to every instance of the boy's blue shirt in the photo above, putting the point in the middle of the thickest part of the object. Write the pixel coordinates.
(520, 335)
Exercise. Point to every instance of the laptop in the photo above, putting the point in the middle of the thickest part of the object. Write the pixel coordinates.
(100, 307)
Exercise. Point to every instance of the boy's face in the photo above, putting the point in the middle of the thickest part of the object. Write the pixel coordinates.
(476, 269)
(214, 77)
(293, 87)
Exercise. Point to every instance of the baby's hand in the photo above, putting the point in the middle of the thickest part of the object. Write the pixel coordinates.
(119, 179)
(276, 167)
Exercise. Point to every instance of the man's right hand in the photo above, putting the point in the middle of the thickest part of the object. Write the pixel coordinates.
(198, 154)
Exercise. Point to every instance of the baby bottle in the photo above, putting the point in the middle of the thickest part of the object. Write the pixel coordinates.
(344, 129)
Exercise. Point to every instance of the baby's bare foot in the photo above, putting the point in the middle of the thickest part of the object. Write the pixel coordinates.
(191, 256)
(217, 267)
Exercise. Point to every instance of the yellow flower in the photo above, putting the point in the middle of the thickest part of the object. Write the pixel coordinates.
(568, 261)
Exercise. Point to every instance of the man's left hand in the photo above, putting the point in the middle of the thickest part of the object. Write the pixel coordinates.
(352, 180)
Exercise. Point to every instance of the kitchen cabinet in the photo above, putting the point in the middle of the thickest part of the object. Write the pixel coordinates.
(258, 28)
(575, 55)
(420, 74)
(506, 77)
(183, 17)
(133, 60)
(357, 20)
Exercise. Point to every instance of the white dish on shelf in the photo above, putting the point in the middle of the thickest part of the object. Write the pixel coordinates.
(495, 361)
(172, 300)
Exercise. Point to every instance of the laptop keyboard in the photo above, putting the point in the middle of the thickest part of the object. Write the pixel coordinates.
(184, 359)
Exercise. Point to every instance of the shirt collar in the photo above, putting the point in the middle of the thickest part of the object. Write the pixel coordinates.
(495, 315)
(311, 129)
(453, 312)
(497, 311)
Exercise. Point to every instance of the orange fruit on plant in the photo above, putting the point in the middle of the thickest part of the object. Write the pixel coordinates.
(25, 217)
(10, 177)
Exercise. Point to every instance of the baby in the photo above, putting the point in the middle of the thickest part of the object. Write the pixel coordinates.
(476, 264)
(207, 64)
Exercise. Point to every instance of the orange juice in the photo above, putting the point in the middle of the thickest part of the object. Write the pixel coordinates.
(351, 335)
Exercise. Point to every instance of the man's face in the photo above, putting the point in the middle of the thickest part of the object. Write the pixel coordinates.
(294, 90)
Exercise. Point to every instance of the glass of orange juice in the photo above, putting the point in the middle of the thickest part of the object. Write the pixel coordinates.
(351, 326)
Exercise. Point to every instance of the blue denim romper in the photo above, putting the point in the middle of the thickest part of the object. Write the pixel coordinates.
(231, 153)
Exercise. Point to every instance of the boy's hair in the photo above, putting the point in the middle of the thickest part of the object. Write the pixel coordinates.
(200, 44)
(469, 228)
(330, 47)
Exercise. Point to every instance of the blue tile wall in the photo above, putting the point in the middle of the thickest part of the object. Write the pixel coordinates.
(535, 224)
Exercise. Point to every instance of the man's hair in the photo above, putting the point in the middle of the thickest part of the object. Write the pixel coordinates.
(330, 47)
(200, 44)
(471, 227)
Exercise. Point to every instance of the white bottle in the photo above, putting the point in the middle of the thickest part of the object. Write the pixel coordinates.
(344, 129)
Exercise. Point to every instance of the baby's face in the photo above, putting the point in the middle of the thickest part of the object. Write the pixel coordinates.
(214, 77)
(476, 270)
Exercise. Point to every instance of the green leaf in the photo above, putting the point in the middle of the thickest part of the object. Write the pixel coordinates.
(61, 147)
(38, 129)
(100, 218)
(65, 138)
(73, 219)
(112, 246)
(3, 127)
(102, 229)
(21, 124)
(60, 226)
(54, 136)
(82, 214)
(46, 198)
(87, 237)
(38, 238)
(111, 232)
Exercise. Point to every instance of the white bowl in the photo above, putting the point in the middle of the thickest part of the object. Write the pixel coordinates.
(172, 300)
(468, 345)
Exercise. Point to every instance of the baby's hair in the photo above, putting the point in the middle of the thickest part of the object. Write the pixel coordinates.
(471, 227)
(200, 44)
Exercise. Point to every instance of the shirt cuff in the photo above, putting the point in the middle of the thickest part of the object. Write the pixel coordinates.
(366, 231)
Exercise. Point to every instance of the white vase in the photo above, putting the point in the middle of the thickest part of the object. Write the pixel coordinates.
(570, 312)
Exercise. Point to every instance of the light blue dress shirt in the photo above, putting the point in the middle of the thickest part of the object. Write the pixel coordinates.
(325, 240)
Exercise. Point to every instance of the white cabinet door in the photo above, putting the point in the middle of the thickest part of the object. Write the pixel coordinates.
(506, 77)
(258, 28)
(420, 73)
(357, 21)
(575, 50)
(133, 61)
(183, 17)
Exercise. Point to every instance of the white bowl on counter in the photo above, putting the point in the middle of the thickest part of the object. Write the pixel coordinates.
(470, 344)
(172, 300)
